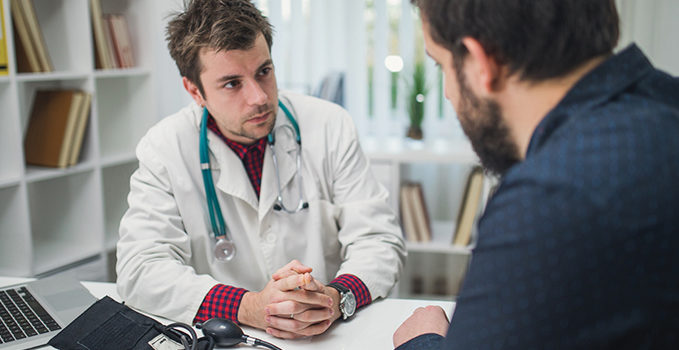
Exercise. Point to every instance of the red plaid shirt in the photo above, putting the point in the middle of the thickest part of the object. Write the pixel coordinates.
(224, 300)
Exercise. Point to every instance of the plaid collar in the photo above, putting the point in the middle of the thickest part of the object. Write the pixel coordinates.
(240, 149)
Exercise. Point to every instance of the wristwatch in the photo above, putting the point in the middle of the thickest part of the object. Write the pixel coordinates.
(347, 304)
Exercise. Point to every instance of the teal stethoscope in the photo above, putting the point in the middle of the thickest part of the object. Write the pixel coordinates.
(224, 247)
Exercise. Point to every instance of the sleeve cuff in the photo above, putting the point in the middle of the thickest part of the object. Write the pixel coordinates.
(357, 287)
(221, 301)
(423, 342)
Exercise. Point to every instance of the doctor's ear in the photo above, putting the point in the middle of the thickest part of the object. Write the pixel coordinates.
(194, 91)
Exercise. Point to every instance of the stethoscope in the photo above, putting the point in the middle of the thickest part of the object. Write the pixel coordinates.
(224, 247)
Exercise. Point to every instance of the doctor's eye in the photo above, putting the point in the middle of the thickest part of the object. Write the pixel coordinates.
(265, 71)
(232, 84)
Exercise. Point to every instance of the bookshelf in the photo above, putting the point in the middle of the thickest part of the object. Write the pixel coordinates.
(51, 218)
(436, 268)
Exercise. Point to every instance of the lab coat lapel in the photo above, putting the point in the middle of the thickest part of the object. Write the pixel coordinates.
(285, 148)
(233, 180)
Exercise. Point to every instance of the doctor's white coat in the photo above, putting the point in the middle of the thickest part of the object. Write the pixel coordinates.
(166, 263)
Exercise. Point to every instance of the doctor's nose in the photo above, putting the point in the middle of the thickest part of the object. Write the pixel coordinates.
(255, 94)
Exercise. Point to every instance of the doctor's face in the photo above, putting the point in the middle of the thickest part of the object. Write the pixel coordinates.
(240, 91)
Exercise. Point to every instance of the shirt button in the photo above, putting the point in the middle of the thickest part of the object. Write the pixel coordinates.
(271, 238)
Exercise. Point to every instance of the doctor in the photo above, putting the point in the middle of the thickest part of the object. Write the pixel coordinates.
(298, 201)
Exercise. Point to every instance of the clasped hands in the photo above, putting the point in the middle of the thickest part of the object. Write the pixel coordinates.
(293, 304)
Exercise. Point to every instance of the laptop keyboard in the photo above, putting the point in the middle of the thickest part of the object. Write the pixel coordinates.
(22, 316)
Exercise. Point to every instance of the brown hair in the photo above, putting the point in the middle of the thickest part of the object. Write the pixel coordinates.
(536, 39)
(214, 24)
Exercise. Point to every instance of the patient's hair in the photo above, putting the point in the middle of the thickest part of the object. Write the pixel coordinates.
(538, 39)
(216, 25)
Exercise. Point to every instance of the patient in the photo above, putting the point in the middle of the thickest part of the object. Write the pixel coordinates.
(577, 247)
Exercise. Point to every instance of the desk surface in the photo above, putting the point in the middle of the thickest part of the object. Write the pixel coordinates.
(371, 328)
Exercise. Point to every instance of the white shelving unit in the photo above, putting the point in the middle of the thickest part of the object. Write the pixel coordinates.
(51, 219)
(435, 269)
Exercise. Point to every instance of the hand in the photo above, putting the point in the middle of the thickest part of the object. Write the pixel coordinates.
(294, 267)
(430, 319)
(308, 319)
(318, 320)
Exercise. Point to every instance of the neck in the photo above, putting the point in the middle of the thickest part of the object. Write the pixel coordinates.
(526, 103)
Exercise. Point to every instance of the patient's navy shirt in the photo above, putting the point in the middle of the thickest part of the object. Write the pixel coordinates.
(579, 246)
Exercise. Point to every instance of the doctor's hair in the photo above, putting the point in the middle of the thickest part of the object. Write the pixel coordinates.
(219, 25)
(537, 40)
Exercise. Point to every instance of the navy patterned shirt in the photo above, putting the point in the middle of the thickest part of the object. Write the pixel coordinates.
(579, 246)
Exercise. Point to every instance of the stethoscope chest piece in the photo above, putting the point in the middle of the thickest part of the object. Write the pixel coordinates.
(225, 250)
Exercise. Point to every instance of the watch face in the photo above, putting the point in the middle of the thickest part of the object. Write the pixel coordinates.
(349, 306)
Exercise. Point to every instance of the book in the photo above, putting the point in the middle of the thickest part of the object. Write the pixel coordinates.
(103, 50)
(83, 116)
(469, 208)
(36, 36)
(109, 44)
(122, 42)
(26, 55)
(407, 215)
(4, 61)
(52, 124)
(420, 213)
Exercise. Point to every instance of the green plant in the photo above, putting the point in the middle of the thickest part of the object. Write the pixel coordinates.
(417, 91)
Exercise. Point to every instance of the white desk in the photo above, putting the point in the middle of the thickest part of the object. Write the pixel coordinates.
(371, 328)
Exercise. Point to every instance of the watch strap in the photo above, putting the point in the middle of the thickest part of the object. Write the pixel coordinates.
(340, 287)
(344, 293)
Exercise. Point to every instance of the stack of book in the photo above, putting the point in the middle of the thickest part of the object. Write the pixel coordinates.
(31, 51)
(414, 215)
(113, 45)
(4, 63)
(56, 127)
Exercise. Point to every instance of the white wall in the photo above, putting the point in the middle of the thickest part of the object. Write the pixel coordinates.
(654, 26)
(314, 37)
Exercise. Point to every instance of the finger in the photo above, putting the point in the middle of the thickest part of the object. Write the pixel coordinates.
(285, 323)
(302, 312)
(314, 286)
(315, 315)
(313, 299)
(291, 282)
(298, 327)
(283, 334)
(291, 268)
(314, 329)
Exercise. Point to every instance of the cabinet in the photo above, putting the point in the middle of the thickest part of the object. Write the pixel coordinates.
(52, 219)
(434, 269)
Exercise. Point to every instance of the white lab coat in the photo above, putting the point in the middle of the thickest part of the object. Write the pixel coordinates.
(166, 263)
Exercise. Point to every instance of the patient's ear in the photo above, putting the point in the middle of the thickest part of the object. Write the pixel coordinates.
(194, 91)
(482, 71)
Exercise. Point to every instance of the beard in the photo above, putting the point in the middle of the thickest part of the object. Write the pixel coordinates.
(483, 123)
(257, 132)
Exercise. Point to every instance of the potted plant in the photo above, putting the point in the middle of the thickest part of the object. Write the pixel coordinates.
(417, 91)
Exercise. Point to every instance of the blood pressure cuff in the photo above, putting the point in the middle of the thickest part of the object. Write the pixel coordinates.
(108, 324)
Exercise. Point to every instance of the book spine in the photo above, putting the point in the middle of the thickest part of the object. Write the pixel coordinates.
(27, 58)
(37, 39)
(103, 51)
(4, 60)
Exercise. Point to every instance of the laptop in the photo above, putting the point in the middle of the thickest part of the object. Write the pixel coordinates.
(31, 313)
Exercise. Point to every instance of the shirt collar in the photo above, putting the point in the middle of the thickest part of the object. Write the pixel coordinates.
(241, 150)
(608, 79)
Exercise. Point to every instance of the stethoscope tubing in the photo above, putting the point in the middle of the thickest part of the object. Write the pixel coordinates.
(224, 247)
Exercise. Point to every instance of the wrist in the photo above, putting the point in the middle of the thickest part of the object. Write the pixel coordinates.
(334, 294)
(245, 315)
(347, 300)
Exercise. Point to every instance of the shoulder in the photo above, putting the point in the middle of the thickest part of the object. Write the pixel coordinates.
(173, 132)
